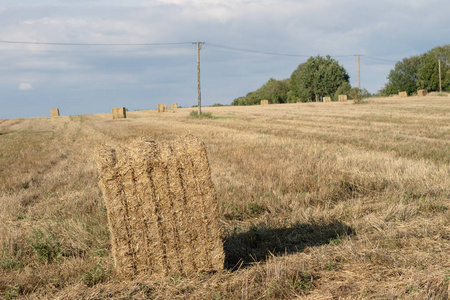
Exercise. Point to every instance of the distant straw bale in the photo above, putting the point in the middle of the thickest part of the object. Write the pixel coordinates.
(162, 107)
(326, 99)
(161, 207)
(54, 112)
(403, 94)
(173, 106)
(119, 113)
(342, 98)
(264, 102)
(422, 93)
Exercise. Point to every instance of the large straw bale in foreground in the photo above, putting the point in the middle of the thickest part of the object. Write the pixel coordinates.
(264, 102)
(326, 99)
(403, 94)
(54, 112)
(162, 107)
(342, 98)
(422, 93)
(161, 207)
(119, 113)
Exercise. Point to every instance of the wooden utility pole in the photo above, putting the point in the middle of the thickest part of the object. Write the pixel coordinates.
(199, 94)
(440, 85)
(359, 73)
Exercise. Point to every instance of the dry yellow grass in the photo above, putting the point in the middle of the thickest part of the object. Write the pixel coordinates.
(316, 201)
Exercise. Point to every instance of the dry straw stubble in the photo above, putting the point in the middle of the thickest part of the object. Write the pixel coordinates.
(162, 208)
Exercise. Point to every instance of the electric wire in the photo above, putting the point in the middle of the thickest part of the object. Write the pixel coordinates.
(218, 46)
(91, 44)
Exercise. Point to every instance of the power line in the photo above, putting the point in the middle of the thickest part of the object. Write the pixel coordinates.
(165, 44)
(256, 51)
(381, 59)
(91, 44)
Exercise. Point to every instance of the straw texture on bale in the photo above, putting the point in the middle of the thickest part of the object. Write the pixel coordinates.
(162, 107)
(119, 113)
(264, 102)
(422, 93)
(326, 99)
(342, 98)
(161, 207)
(173, 106)
(403, 94)
(54, 112)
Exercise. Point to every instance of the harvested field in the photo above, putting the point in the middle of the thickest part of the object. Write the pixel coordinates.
(315, 201)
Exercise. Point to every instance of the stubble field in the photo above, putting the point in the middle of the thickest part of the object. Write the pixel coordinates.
(317, 201)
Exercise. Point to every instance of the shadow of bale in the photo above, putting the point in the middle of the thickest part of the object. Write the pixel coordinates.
(255, 245)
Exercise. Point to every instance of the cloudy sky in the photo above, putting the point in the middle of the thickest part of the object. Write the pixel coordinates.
(88, 56)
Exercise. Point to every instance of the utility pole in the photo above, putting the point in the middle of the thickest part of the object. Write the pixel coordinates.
(440, 86)
(199, 94)
(359, 72)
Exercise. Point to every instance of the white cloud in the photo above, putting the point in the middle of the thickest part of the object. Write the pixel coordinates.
(25, 86)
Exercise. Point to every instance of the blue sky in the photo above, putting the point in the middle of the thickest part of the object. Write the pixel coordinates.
(93, 79)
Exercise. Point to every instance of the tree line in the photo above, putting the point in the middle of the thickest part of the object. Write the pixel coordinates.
(319, 77)
(314, 79)
(420, 72)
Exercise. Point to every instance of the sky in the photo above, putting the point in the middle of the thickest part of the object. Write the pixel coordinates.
(89, 56)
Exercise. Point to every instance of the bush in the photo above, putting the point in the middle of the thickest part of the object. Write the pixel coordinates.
(194, 114)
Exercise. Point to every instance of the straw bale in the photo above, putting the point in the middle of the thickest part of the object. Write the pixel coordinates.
(264, 102)
(173, 106)
(403, 94)
(342, 98)
(161, 207)
(326, 99)
(162, 107)
(119, 113)
(54, 112)
(422, 93)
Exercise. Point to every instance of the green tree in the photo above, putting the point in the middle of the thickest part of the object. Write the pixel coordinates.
(420, 72)
(403, 77)
(317, 77)
(428, 72)
(276, 91)
(343, 89)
